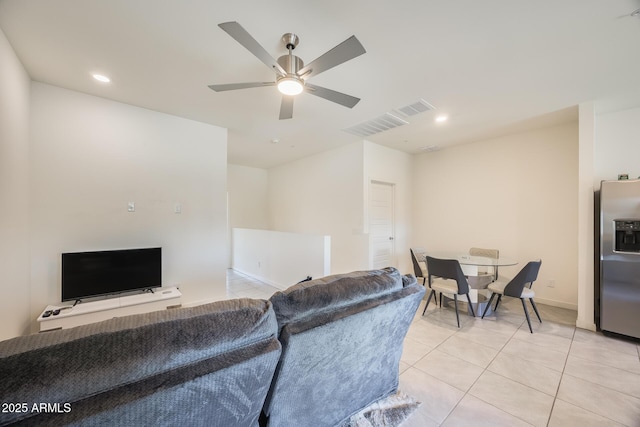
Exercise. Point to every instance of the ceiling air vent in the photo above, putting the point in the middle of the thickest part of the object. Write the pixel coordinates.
(420, 106)
(379, 124)
(430, 148)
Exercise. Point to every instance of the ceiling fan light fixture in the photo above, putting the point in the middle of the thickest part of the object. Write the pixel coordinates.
(290, 86)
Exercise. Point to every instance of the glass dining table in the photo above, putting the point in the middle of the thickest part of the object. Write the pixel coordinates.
(472, 260)
(471, 266)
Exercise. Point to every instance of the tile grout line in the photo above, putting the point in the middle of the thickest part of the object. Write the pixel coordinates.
(485, 369)
(499, 352)
(577, 356)
(582, 379)
(434, 348)
(512, 336)
(566, 360)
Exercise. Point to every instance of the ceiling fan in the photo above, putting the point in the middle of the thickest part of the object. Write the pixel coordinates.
(291, 73)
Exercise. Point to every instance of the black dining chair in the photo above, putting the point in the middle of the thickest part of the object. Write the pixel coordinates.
(517, 288)
(417, 268)
(454, 282)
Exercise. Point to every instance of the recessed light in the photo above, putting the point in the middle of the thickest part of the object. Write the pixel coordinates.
(441, 119)
(101, 78)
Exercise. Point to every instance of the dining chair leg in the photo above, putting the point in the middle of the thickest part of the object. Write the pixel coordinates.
(473, 313)
(488, 304)
(440, 299)
(428, 299)
(526, 313)
(533, 304)
(455, 302)
(497, 302)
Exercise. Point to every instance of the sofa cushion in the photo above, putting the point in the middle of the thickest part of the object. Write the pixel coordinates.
(148, 369)
(341, 352)
(332, 292)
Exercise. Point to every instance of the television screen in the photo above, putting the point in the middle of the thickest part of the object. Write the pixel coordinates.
(89, 274)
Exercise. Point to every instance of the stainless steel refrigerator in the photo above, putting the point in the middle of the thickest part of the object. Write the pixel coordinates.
(620, 257)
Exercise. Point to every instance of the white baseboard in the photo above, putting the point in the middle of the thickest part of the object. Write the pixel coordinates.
(588, 325)
(582, 324)
(260, 278)
(555, 303)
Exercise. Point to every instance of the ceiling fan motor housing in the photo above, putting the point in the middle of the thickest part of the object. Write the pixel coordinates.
(290, 63)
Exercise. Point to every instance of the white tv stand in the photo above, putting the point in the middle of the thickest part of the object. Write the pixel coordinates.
(96, 311)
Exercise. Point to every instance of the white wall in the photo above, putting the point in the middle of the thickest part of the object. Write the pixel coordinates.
(14, 193)
(247, 188)
(616, 145)
(327, 194)
(279, 258)
(394, 167)
(247, 200)
(90, 157)
(323, 194)
(585, 217)
(517, 193)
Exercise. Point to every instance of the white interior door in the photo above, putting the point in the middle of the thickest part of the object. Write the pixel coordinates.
(381, 230)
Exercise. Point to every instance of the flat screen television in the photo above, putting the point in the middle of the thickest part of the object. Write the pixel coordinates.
(90, 274)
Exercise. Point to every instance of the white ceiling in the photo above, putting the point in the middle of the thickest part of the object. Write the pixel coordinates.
(493, 66)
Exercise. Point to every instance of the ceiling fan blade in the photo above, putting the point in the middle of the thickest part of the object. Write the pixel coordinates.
(241, 35)
(234, 86)
(348, 49)
(286, 107)
(333, 96)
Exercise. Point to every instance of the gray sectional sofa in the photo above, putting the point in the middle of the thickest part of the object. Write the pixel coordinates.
(311, 356)
(341, 341)
(207, 365)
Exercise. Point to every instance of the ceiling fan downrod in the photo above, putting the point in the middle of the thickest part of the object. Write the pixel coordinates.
(290, 62)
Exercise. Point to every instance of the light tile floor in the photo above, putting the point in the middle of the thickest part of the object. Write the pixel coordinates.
(242, 286)
(493, 372)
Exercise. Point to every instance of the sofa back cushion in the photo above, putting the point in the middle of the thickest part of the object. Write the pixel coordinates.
(341, 350)
(329, 293)
(210, 364)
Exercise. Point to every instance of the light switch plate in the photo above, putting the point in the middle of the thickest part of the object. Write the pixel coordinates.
(131, 207)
